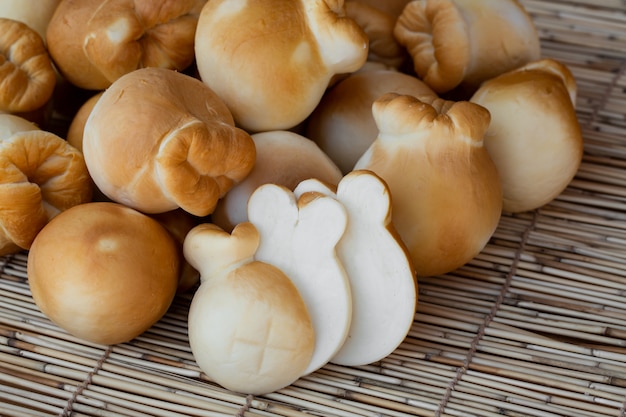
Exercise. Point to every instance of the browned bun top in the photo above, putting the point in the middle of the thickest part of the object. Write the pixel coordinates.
(103, 272)
(94, 43)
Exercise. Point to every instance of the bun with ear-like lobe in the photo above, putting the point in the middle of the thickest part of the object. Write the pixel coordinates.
(271, 60)
(446, 191)
(456, 43)
(379, 268)
(299, 236)
(249, 329)
(174, 144)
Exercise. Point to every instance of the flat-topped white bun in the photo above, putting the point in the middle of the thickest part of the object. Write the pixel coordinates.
(249, 329)
(283, 158)
(300, 236)
(381, 274)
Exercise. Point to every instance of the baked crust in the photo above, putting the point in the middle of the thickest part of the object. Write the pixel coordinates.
(27, 77)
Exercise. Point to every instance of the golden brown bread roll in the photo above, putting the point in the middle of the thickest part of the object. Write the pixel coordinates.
(446, 192)
(534, 136)
(390, 7)
(378, 25)
(178, 222)
(77, 125)
(465, 42)
(27, 77)
(157, 140)
(41, 175)
(103, 272)
(271, 60)
(94, 43)
(342, 124)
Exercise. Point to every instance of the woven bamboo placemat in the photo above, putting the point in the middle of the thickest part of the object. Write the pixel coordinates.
(534, 326)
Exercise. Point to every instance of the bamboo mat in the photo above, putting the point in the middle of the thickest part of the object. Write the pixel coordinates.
(534, 326)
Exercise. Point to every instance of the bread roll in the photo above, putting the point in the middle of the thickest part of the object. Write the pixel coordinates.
(461, 43)
(271, 60)
(534, 137)
(174, 144)
(178, 222)
(77, 125)
(343, 125)
(282, 157)
(446, 191)
(379, 26)
(249, 329)
(103, 272)
(392, 8)
(94, 43)
(41, 175)
(27, 77)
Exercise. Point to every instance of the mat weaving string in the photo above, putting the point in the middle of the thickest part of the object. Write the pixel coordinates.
(489, 318)
(67, 410)
(605, 97)
(246, 407)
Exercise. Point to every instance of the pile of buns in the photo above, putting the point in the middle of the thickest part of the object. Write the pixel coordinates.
(248, 148)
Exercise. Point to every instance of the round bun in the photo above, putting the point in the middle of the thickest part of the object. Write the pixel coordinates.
(534, 137)
(179, 223)
(181, 148)
(103, 272)
(92, 45)
(343, 125)
(77, 125)
(283, 158)
(378, 25)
